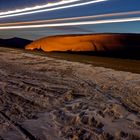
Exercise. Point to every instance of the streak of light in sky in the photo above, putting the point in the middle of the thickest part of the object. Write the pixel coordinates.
(53, 9)
(37, 7)
(73, 18)
(132, 19)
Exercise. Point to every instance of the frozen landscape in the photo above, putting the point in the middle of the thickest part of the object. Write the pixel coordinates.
(50, 99)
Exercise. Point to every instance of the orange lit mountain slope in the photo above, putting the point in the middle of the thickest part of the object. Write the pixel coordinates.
(92, 42)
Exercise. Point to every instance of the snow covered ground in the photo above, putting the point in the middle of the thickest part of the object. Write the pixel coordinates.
(50, 99)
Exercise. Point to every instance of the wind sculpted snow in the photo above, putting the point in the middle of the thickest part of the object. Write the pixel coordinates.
(49, 99)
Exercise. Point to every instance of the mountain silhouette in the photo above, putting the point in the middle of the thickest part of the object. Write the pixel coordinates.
(14, 42)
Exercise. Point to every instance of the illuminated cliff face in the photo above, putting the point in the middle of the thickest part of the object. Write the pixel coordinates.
(99, 42)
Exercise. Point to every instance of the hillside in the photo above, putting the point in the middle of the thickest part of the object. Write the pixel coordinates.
(105, 44)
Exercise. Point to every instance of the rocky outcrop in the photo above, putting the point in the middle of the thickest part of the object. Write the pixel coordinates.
(91, 42)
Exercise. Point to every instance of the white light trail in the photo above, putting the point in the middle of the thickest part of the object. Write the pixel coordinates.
(73, 18)
(53, 9)
(73, 23)
(37, 7)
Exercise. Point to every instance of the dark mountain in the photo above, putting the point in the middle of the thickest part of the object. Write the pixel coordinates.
(14, 42)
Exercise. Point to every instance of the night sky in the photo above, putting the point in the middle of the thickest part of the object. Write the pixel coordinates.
(110, 6)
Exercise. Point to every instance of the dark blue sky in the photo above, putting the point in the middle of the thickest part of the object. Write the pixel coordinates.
(110, 6)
